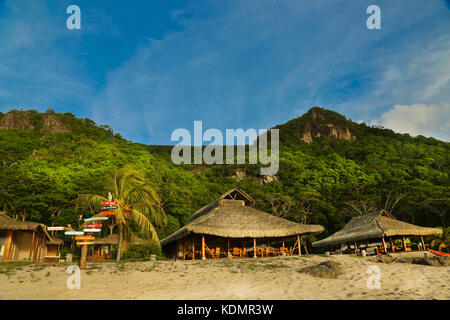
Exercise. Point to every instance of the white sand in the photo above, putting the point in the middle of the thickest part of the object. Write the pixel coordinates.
(269, 278)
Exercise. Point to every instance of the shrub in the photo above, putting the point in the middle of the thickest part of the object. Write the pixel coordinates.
(142, 251)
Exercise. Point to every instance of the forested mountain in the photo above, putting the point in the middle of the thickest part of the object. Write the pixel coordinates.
(330, 170)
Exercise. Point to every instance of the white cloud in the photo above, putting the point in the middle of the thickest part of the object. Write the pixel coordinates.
(419, 119)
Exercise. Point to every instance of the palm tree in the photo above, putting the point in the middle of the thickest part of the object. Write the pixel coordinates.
(138, 204)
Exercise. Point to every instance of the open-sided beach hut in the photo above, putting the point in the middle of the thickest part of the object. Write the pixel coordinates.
(231, 225)
(21, 240)
(53, 251)
(102, 248)
(377, 226)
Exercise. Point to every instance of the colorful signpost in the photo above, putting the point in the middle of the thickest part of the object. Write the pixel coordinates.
(93, 226)
(55, 228)
(96, 219)
(110, 203)
(107, 213)
(84, 243)
(84, 238)
(74, 233)
(110, 208)
(92, 230)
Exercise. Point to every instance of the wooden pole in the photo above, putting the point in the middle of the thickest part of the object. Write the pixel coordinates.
(203, 247)
(392, 245)
(41, 239)
(404, 243)
(299, 246)
(184, 250)
(83, 256)
(254, 247)
(283, 242)
(193, 247)
(384, 245)
(32, 244)
(8, 243)
(423, 243)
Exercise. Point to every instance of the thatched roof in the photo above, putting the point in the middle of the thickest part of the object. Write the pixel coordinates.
(111, 239)
(374, 226)
(8, 223)
(233, 215)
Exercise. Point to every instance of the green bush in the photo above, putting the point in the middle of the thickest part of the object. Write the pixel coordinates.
(142, 251)
(75, 251)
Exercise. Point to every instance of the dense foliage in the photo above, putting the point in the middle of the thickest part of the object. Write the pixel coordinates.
(326, 182)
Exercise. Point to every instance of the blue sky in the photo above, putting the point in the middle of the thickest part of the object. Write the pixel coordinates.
(149, 67)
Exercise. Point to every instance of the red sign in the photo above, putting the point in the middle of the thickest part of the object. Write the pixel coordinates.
(110, 203)
(93, 226)
(107, 213)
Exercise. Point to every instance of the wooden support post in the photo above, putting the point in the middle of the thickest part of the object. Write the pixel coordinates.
(193, 247)
(35, 249)
(228, 240)
(32, 244)
(404, 243)
(203, 247)
(184, 250)
(7, 249)
(83, 256)
(299, 245)
(384, 245)
(423, 244)
(39, 247)
(392, 244)
(254, 247)
(283, 242)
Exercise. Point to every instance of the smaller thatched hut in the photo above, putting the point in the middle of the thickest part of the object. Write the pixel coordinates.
(102, 248)
(53, 251)
(376, 227)
(21, 240)
(232, 226)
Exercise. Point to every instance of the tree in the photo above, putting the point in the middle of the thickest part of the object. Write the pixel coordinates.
(139, 205)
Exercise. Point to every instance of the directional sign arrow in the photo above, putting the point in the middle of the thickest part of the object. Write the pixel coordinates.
(93, 226)
(86, 242)
(84, 238)
(74, 233)
(107, 213)
(110, 203)
(96, 218)
(92, 230)
(55, 228)
(110, 208)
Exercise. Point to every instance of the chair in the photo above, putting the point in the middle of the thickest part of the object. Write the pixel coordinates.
(237, 252)
(217, 252)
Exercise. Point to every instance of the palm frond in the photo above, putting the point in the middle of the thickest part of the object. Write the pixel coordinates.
(144, 224)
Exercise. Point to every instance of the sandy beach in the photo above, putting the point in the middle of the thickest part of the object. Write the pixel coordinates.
(269, 278)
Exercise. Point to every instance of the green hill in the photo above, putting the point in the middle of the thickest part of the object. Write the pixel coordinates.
(330, 170)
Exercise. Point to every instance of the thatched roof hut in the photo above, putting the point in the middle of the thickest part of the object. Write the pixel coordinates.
(8, 223)
(232, 215)
(374, 226)
(22, 239)
(110, 239)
